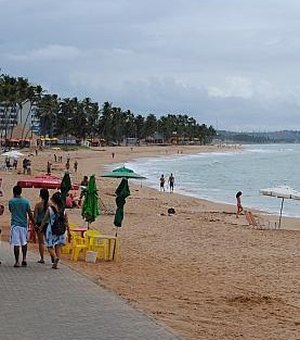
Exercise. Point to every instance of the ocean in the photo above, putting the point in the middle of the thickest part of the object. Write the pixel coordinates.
(218, 176)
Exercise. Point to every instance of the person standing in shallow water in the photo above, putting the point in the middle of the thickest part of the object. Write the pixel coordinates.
(239, 207)
(20, 210)
(171, 182)
(162, 183)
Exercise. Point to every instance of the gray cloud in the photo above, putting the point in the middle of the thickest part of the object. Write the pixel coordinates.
(230, 63)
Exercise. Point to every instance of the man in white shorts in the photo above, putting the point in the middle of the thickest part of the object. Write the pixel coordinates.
(20, 211)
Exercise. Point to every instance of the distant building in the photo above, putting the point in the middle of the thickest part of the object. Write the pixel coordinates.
(156, 138)
(26, 117)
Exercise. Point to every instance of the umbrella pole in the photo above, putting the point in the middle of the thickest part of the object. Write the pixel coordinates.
(280, 215)
(115, 245)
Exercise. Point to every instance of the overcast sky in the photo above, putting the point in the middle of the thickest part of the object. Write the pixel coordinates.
(230, 63)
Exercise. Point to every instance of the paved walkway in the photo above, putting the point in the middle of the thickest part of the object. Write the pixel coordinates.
(38, 303)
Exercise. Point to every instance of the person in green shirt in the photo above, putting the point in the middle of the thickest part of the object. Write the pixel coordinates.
(20, 210)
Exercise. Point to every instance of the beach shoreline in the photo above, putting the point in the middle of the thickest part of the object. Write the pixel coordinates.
(202, 271)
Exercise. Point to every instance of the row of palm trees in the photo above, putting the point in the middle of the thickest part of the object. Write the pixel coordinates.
(84, 119)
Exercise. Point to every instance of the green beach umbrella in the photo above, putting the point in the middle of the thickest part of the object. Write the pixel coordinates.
(123, 172)
(90, 208)
(65, 187)
(122, 193)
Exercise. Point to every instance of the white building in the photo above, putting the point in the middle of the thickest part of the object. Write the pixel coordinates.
(24, 116)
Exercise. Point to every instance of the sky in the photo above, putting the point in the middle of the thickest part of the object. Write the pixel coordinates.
(233, 64)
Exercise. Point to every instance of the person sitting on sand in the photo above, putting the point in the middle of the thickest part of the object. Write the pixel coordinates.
(70, 203)
(238, 204)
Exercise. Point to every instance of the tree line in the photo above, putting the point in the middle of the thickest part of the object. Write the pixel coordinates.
(85, 119)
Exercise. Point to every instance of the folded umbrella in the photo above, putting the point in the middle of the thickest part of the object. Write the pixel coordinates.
(122, 192)
(90, 208)
(65, 187)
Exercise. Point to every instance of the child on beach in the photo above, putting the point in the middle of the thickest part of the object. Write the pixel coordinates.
(238, 204)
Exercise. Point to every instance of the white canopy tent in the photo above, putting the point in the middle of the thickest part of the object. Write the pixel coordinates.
(12, 154)
(283, 192)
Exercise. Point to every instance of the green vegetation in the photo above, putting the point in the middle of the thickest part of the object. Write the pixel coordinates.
(84, 119)
(284, 136)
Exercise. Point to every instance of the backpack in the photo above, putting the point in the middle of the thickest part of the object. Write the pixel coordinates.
(59, 225)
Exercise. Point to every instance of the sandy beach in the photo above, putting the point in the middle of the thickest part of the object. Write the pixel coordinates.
(202, 271)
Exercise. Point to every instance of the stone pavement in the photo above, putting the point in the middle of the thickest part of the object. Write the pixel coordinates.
(38, 302)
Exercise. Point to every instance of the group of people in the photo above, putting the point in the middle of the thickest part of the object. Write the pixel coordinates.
(43, 219)
(9, 165)
(68, 165)
(162, 182)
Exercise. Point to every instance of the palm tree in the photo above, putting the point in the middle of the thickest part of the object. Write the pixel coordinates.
(151, 125)
(139, 126)
(105, 122)
(47, 110)
(91, 116)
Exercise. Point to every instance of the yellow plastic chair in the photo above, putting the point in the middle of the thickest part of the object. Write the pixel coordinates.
(79, 245)
(89, 236)
(100, 246)
(67, 248)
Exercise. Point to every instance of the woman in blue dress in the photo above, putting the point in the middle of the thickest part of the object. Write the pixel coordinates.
(55, 242)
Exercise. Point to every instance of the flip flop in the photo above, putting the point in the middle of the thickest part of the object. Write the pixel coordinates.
(41, 261)
(16, 265)
(24, 264)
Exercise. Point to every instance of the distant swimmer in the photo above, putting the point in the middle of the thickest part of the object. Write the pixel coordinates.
(239, 207)
(171, 182)
(162, 181)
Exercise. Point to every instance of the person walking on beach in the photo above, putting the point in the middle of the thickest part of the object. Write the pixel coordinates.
(49, 168)
(20, 210)
(162, 181)
(28, 166)
(55, 242)
(75, 166)
(239, 207)
(68, 165)
(40, 210)
(171, 182)
(24, 166)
